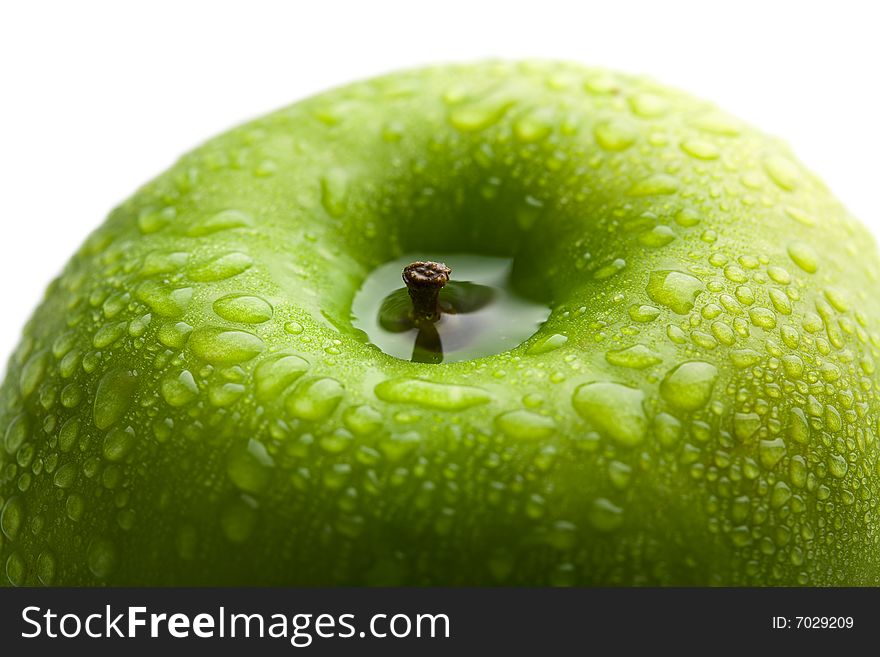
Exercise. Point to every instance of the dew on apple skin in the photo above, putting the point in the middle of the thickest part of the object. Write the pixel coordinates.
(362, 420)
(65, 476)
(804, 256)
(658, 184)
(782, 171)
(294, 328)
(102, 558)
(16, 433)
(16, 569)
(33, 373)
(700, 149)
(535, 125)
(479, 114)
(689, 386)
(249, 466)
(118, 443)
(243, 308)
(239, 519)
(315, 399)
(771, 452)
(221, 221)
(12, 517)
(428, 394)
(657, 237)
(221, 346)
(637, 356)
(615, 135)
(837, 466)
(275, 374)
(547, 344)
(674, 289)
(179, 388)
(335, 191)
(46, 567)
(152, 220)
(604, 515)
(114, 396)
(614, 409)
(164, 300)
(219, 268)
(174, 334)
(525, 425)
(643, 314)
(225, 394)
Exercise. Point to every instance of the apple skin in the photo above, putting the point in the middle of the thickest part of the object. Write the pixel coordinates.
(191, 405)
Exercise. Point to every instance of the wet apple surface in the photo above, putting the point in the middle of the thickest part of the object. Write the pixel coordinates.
(220, 388)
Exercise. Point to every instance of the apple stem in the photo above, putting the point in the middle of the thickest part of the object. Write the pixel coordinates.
(424, 280)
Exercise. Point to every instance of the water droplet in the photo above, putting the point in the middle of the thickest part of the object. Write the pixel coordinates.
(159, 262)
(745, 425)
(334, 191)
(179, 388)
(800, 216)
(16, 433)
(118, 443)
(441, 396)
(771, 452)
(615, 135)
(244, 308)
(65, 476)
(363, 420)
(604, 515)
(275, 374)
(114, 396)
(548, 344)
(614, 409)
(224, 220)
(102, 558)
(700, 149)
(763, 318)
(239, 519)
(12, 518)
(689, 385)
(222, 346)
(294, 328)
(33, 373)
(163, 299)
(803, 256)
(220, 267)
(674, 289)
(46, 568)
(481, 113)
(638, 356)
(535, 125)
(315, 399)
(249, 466)
(718, 124)
(174, 335)
(657, 184)
(643, 314)
(68, 434)
(782, 171)
(225, 395)
(837, 466)
(525, 425)
(152, 220)
(648, 105)
(657, 237)
(16, 570)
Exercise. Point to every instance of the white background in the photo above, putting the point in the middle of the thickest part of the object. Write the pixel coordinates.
(98, 97)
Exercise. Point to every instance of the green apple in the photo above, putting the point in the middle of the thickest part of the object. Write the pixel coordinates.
(192, 404)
